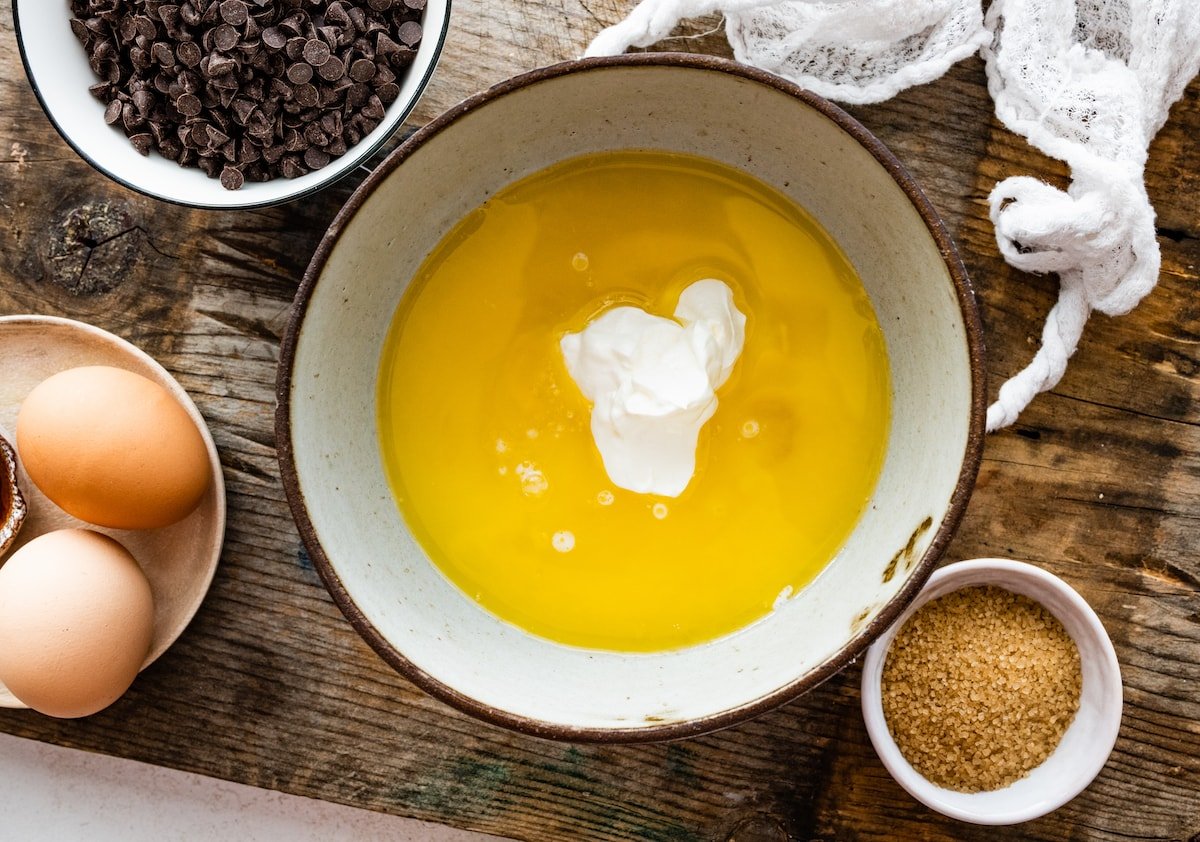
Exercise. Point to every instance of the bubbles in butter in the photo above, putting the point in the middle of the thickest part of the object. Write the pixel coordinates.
(76, 622)
(533, 481)
(112, 448)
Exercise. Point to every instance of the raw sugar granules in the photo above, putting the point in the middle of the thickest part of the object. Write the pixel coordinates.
(979, 687)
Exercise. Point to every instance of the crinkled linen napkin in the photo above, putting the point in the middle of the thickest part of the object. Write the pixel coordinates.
(1089, 82)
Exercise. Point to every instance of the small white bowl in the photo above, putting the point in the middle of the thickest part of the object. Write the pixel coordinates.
(1085, 746)
(58, 70)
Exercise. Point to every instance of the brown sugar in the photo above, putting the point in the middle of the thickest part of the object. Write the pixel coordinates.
(978, 688)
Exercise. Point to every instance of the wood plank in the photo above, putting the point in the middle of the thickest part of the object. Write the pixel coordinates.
(270, 686)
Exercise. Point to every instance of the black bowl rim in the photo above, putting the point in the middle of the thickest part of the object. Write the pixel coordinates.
(361, 156)
(857, 644)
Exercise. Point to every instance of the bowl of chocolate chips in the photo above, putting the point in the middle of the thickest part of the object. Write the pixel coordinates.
(228, 103)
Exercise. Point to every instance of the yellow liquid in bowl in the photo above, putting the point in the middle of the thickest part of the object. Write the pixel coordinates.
(486, 437)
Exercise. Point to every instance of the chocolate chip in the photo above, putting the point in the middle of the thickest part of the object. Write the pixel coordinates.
(188, 53)
(141, 142)
(385, 46)
(232, 178)
(293, 24)
(220, 64)
(144, 101)
(112, 112)
(161, 52)
(145, 26)
(316, 52)
(291, 167)
(234, 12)
(225, 37)
(314, 158)
(299, 73)
(357, 95)
(331, 123)
(189, 81)
(169, 15)
(242, 109)
(337, 147)
(169, 148)
(306, 95)
(333, 36)
(374, 108)
(383, 74)
(294, 48)
(139, 58)
(188, 105)
(274, 37)
(410, 33)
(362, 70)
(388, 93)
(314, 135)
(332, 70)
(336, 14)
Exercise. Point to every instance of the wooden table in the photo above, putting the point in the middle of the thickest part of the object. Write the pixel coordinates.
(270, 686)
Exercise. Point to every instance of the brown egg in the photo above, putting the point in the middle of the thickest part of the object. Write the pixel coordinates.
(112, 448)
(76, 622)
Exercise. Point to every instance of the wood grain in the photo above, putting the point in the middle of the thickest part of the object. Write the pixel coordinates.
(1099, 483)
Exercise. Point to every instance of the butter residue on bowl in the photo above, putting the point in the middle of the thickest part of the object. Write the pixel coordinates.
(652, 382)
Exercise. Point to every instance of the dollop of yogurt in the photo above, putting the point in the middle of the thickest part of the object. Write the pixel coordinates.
(652, 382)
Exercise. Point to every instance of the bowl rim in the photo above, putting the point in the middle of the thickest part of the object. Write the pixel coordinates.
(857, 644)
(359, 157)
(966, 574)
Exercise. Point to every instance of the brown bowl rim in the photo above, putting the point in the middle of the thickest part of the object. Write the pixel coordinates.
(857, 644)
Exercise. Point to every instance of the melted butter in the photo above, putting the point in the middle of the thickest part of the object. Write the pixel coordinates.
(486, 439)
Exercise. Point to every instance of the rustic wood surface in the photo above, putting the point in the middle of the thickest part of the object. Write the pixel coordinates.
(1099, 483)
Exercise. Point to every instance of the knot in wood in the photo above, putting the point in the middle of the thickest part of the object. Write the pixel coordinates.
(93, 248)
(758, 828)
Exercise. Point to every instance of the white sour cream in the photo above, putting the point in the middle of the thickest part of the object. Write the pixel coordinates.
(652, 383)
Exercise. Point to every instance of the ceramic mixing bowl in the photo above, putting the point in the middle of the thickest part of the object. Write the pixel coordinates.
(330, 455)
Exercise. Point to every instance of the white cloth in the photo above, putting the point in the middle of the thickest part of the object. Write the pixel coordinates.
(1089, 82)
(850, 50)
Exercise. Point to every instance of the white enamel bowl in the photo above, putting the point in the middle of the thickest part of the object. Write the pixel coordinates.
(1085, 746)
(57, 67)
(326, 421)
